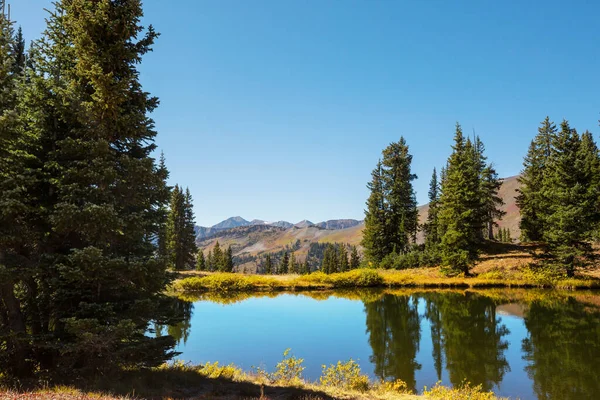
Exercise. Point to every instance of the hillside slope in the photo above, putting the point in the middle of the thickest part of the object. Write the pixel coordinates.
(251, 241)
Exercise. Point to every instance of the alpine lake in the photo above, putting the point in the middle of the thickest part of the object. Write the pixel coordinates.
(521, 344)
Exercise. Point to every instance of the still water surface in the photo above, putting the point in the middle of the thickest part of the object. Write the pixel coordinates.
(520, 344)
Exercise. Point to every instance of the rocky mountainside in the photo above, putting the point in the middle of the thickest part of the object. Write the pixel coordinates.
(252, 240)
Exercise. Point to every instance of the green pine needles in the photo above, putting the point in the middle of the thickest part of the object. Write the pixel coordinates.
(559, 195)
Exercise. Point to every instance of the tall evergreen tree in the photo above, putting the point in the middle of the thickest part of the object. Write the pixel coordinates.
(190, 248)
(529, 198)
(342, 257)
(293, 266)
(374, 235)
(18, 239)
(354, 258)
(201, 261)
(181, 237)
(210, 262)
(459, 205)
(162, 236)
(431, 226)
(284, 264)
(402, 214)
(567, 223)
(18, 53)
(97, 191)
(228, 260)
(268, 265)
(217, 257)
(489, 185)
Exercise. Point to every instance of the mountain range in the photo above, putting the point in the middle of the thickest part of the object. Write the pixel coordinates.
(203, 232)
(252, 239)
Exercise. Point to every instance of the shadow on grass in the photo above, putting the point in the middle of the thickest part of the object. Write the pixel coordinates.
(186, 384)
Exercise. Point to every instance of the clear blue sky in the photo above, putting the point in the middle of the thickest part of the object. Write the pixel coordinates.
(279, 109)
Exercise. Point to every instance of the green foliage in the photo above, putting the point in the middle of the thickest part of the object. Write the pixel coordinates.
(391, 215)
(216, 371)
(431, 228)
(181, 237)
(354, 258)
(200, 261)
(530, 198)
(82, 200)
(464, 392)
(284, 264)
(345, 375)
(289, 370)
(415, 258)
(468, 203)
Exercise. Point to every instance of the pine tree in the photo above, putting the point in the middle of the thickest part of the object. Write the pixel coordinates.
(431, 226)
(374, 234)
(459, 205)
(567, 225)
(228, 260)
(293, 266)
(284, 264)
(354, 258)
(162, 236)
(530, 199)
(218, 257)
(18, 53)
(305, 267)
(18, 236)
(210, 262)
(189, 237)
(201, 261)
(268, 265)
(489, 184)
(402, 214)
(327, 265)
(181, 237)
(343, 259)
(92, 275)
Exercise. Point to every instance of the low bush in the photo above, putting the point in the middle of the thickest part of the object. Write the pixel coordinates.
(345, 375)
(464, 392)
(289, 370)
(356, 278)
(214, 370)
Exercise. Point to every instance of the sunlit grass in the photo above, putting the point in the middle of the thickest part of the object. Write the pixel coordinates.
(342, 380)
(522, 276)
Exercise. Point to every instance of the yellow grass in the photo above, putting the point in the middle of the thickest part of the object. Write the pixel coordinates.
(511, 274)
(343, 380)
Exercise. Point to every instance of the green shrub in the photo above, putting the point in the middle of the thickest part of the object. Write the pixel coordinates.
(345, 376)
(289, 370)
(356, 278)
(222, 282)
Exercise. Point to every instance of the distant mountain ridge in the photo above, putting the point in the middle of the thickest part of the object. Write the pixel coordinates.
(250, 241)
(203, 232)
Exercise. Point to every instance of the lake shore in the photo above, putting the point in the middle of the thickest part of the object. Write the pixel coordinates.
(179, 381)
(494, 272)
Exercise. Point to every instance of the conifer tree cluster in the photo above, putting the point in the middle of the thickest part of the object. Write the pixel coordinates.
(391, 214)
(180, 239)
(337, 259)
(468, 204)
(218, 259)
(559, 194)
(82, 201)
(503, 235)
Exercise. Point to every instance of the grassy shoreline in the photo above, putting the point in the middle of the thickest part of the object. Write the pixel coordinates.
(524, 277)
(228, 382)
